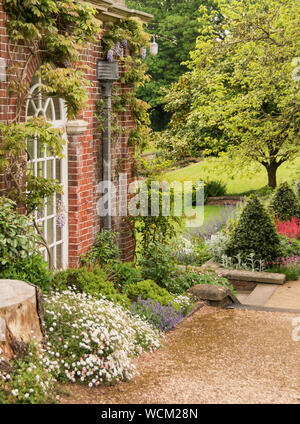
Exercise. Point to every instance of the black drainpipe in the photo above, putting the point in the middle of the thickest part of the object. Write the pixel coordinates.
(107, 74)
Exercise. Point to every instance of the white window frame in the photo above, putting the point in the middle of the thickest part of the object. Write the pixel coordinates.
(40, 109)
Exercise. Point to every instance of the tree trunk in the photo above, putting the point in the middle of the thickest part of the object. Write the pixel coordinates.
(21, 317)
(272, 170)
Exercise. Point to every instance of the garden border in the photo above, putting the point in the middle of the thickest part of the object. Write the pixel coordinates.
(241, 275)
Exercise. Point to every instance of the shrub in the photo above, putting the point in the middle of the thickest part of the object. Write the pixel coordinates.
(32, 269)
(297, 188)
(103, 250)
(162, 317)
(216, 222)
(215, 188)
(17, 237)
(153, 229)
(123, 273)
(255, 234)
(93, 340)
(217, 245)
(90, 282)
(190, 279)
(290, 228)
(289, 246)
(148, 289)
(284, 203)
(194, 253)
(159, 264)
(211, 189)
(289, 265)
(31, 379)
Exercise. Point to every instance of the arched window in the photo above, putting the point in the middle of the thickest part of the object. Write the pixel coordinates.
(53, 217)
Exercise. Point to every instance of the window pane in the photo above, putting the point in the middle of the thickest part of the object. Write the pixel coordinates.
(31, 109)
(50, 205)
(30, 149)
(49, 114)
(56, 102)
(50, 169)
(58, 175)
(40, 150)
(30, 169)
(50, 233)
(40, 169)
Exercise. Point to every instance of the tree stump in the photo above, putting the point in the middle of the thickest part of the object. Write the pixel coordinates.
(21, 317)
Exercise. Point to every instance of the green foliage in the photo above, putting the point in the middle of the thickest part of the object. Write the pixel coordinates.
(158, 263)
(57, 28)
(176, 25)
(123, 273)
(189, 279)
(197, 255)
(68, 84)
(30, 380)
(239, 95)
(285, 204)
(53, 33)
(211, 189)
(292, 273)
(148, 289)
(289, 246)
(93, 282)
(17, 237)
(254, 234)
(134, 73)
(103, 250)
(150, 228)
(31, 269)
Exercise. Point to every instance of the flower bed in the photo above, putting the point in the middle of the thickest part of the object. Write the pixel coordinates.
(290, 229)
(90, 341)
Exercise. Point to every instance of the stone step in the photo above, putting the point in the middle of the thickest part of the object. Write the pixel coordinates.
(260, 295)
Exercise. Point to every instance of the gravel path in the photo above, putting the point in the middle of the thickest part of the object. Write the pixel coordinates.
(215, 356)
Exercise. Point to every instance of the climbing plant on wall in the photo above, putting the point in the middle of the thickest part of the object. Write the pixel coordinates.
(127, 42)
(51, 33)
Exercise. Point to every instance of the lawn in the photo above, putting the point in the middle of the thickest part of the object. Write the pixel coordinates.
(236, 184)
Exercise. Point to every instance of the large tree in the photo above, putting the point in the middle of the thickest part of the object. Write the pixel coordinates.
(241, 93)
(176, 26)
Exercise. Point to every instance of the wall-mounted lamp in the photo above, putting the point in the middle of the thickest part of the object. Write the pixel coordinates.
(2, 69)
(154, 47)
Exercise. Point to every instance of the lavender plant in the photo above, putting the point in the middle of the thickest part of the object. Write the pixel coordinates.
(162, 317)
(214, 224)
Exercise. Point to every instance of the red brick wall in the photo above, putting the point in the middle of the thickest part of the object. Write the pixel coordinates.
(84, 156)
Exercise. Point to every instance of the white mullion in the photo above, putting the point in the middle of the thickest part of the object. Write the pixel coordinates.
(55, 213)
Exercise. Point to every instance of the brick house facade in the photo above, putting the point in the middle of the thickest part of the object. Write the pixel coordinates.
(82, 168)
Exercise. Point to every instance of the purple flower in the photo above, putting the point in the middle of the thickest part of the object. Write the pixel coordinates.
(61, 220)
(118, 50)
(110, 56)
(143, 52)
(163, 317)
(124, 43)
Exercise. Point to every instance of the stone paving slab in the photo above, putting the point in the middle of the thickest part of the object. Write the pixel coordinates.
(260, 295)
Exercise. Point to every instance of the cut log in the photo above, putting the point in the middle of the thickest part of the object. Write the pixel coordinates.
(21, 317)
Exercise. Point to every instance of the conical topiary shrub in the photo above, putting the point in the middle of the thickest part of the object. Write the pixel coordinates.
(255, 234)
(285, 204)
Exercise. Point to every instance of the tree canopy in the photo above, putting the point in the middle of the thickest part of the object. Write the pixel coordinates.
(176, 26)
(241, 93)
